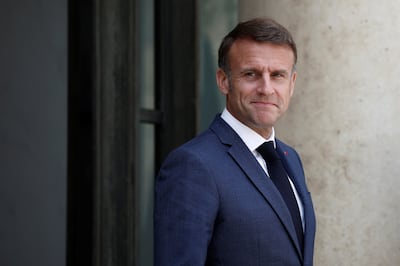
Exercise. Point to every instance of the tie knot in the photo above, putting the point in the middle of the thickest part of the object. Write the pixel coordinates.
(268, 152)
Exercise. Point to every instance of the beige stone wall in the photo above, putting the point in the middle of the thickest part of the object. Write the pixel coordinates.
(344, 121)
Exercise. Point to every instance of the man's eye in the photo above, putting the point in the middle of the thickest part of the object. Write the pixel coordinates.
(250, 74)
(278, 75)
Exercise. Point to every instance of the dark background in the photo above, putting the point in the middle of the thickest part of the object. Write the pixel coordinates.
(33, 132)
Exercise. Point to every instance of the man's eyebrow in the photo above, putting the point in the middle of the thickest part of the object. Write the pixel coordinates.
(250, 68)
(280, 71)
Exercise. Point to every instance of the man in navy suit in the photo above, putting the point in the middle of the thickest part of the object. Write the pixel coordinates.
(215, 202)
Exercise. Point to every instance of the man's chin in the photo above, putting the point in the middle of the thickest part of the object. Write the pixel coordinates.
(265, 121)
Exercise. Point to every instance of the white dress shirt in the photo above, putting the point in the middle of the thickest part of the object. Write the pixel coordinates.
(253, 140)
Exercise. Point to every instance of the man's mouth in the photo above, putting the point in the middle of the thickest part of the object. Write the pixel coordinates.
(263, 103)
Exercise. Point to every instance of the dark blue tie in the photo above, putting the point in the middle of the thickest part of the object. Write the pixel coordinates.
(279, 176)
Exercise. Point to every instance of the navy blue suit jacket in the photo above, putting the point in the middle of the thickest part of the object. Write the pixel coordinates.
(214, 205)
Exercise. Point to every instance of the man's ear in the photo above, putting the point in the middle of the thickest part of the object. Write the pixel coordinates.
(222, 81)
(292, 83)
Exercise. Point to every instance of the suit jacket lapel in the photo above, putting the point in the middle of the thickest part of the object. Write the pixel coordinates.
(247, 162)
(298, 179)
(289, 169)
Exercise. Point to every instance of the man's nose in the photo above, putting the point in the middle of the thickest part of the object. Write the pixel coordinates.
(265, 85)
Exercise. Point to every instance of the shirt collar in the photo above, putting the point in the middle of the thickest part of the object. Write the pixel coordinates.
(251, 138)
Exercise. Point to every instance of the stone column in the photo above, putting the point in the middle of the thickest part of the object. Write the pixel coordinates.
(344, 121)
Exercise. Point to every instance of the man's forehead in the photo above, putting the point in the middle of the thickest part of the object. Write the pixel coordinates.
(256, 54)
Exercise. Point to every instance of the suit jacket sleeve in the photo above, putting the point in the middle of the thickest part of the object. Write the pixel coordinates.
(186, 204)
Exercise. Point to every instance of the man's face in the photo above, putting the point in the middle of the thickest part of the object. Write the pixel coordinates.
(260, 84)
